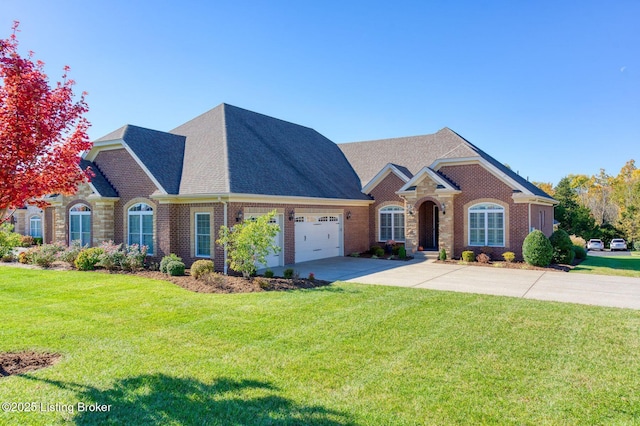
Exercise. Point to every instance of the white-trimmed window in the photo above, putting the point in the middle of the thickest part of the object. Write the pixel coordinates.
(140, 222)
(391, 223)
(35, 227)
(80, 224)
(486, 225)
(203, 234)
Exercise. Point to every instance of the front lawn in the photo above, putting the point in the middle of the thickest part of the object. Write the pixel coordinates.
(627, 266)
(337, 355)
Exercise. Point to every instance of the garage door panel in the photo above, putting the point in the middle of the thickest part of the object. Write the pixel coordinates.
(317, 237)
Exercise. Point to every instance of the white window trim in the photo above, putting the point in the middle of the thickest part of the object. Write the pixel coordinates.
(80, 213)
(140, 214)
(31, 220)
(197, 235)
(499, 209)
(392, 210)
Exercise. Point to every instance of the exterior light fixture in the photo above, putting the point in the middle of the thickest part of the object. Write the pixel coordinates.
(239, 216)
(443, 208)
(349, 215)
(292, 215)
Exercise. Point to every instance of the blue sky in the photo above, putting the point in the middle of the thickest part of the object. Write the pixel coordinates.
(549, 87)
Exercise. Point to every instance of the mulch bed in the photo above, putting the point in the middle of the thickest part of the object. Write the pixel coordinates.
(21, 362)
(515, 265)
(218, 283)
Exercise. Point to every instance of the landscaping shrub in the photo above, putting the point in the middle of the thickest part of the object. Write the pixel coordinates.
(312, 276)
(169, 258)
(70, 254)
(580, 252)
(636, 245)
(263, 284)
(7, 258)
(111, 257)
(134, 256)
(509, 256)
(402, 252)
(45, 254)
(536, 249)
(468, 256)
(25, 257)
(8, 239)
(442, 255)
(88, 259)
(27, 241)
(175, 268)
(249, 243)
(355, 254)
(201, 267)
(562, 247)
(38, 241)
(483, 258)
(288, 273)
(377, 251)
(268, 273)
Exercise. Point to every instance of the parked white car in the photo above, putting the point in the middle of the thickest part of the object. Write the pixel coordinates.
(595, 244)
(618, 244)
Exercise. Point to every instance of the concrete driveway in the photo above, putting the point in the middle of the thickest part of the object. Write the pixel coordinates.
(602, 290)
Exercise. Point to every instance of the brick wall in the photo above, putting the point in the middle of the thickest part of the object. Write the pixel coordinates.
(133, 185)
(384, 194)
(479, 185)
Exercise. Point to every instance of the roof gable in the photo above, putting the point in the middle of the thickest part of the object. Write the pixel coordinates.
(402, 172)
(412, 152)
(159, 154)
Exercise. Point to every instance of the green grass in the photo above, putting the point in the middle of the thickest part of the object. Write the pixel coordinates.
(626, 266)
(345, 354)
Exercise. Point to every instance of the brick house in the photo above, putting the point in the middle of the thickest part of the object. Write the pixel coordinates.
(173, 190)
(439, 191)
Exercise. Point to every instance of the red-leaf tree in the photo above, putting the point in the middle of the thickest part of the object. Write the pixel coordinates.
(42, 131)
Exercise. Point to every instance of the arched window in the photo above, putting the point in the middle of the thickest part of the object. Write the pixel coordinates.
(391, 223)
(80, 224)
(141, 226)
(35, 227)
(486, 225)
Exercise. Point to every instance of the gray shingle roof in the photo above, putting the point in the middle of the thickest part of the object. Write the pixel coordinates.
(416, 152)
(99, 182)
(230, 149)
(412, 152)
(162, 153)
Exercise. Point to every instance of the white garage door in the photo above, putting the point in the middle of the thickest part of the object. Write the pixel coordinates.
(317, 236)
(274, 260)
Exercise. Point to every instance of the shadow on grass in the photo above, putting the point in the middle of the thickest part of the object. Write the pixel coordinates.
(162, 399)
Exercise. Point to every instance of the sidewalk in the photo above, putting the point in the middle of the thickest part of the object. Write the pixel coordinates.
(602, 290)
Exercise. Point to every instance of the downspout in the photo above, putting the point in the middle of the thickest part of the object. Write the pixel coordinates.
(529, 230)
(226, 220)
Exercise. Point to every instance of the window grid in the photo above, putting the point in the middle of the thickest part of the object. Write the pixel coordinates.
(391, 220)
(486, 225)
(203, 235)
(141, 226)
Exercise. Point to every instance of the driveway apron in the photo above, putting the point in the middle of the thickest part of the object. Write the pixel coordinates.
(601, 290)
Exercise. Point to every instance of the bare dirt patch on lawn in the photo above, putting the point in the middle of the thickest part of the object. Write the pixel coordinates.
(20, 362)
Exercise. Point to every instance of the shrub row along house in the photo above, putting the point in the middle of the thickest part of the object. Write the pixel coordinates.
(173, 190)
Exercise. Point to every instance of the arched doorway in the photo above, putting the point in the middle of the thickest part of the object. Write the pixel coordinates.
(428, 225)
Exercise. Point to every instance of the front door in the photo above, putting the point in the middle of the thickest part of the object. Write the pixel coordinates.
(428, 225)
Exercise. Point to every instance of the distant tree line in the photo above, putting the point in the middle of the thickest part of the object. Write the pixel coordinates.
(599, 206)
